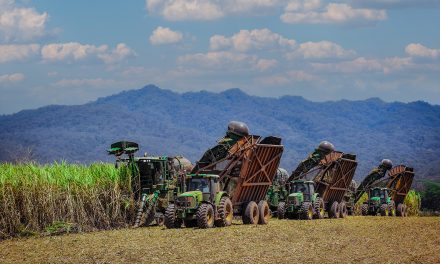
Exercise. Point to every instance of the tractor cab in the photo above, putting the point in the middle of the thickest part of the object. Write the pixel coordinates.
(379, 195)
(207, 184)
(304, 188)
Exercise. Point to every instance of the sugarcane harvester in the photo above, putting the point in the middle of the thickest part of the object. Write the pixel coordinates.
(231, 179)
(154, 180)
(319, 184)
(386, 197)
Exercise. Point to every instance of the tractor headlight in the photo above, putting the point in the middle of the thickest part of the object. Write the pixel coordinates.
(293, 200)
(186, 201)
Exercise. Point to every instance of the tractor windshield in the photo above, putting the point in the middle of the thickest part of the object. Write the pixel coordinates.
(198, 184)
(299, 187)
(378, 193)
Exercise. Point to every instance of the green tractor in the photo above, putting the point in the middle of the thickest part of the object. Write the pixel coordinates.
(379, 202)
(302, 202)
(155, 180)
(277, 192)
(203, 204)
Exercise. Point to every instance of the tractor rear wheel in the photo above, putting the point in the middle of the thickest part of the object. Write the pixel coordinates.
(263, 208)
(343, 210)
(171, 220)
(384, 210)
(319, 209)
(281, 210)
(251, 214)
(334, 210)
(306, 212)
(225, 212)
(364, 209)
(205, 216)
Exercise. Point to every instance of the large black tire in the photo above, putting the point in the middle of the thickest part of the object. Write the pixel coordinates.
(190, 223)
(401, 210)
(306, 211)
(281, 210)
(263, 209)
(319, 209)
(364, 209)
(251, 214)
(171, 220)
(384, 211)
(343, 211)
(392, 208)
(225, 212)
(334, 210)
(405, 214)
(159, 218)
(205, 216)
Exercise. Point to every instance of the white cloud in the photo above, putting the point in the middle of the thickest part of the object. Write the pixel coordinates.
(98, 82)
(11, 78)
(177, 10)
(74, 51)
(163, 35)
(246, 40)
(266, 64)
(418, 50)
(388, 4)
(304, 11)
(18, 52)
(21, 24)
(364, 65)
(320, 50)
(120, 53)
(218, 60)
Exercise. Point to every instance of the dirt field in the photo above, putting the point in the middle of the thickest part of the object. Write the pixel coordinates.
(355, 239)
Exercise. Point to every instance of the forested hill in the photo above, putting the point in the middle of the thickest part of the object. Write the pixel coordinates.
(165, 122)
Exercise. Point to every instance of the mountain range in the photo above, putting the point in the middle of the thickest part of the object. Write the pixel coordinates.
(168, 123)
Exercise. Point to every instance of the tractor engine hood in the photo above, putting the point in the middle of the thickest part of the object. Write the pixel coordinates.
(195, 194)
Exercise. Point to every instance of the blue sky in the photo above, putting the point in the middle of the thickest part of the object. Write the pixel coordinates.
(72, 52)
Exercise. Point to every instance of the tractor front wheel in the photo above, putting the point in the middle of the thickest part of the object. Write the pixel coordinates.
(171, 220)
(263, 208)
(392, 207)
(401, 210)
(225, 213)
(384, 210)
(281, 210)
(205, 216)
(160, 219)
(319, 209)
(251, 214)
(306, 212)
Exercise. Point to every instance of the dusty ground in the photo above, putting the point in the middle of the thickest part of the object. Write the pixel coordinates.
(355, 239)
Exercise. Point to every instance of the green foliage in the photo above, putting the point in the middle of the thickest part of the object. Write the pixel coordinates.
(36, 197)
(413, 203)
(431, 196)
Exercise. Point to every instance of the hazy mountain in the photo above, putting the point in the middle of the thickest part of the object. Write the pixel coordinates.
(164, 122)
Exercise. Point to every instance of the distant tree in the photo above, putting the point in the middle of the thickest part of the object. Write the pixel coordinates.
(431, 196)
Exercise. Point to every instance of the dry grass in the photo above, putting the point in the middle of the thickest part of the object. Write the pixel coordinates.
(355, 239)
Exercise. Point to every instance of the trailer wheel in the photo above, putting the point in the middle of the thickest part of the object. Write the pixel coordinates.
(384, 210)
(306, 212)
(392, 207)
(225, 212)
(319, 209)
(343, 212)
(263, 208)
(190, 223)
(251, 214)
(401, 210)
(281, 210)
(334, 210)
(364, 209)
(205, 216)
(171, 220)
